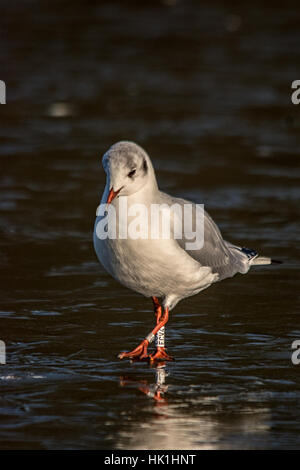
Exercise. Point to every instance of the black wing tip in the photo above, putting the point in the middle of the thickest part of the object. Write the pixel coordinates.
(249, 252)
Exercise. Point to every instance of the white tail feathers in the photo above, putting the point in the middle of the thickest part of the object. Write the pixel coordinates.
(261, 260)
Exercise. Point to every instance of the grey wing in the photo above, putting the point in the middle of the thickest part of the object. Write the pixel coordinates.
(223, 257)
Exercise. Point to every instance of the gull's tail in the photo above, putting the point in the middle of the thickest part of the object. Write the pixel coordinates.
(265, 260)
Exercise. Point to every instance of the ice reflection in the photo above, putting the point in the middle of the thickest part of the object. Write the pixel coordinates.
(156, 391)
(194, 422)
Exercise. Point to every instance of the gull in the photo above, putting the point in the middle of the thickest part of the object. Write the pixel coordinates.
(164, 269)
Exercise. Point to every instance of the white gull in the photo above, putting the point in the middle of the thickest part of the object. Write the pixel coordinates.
(163, 269)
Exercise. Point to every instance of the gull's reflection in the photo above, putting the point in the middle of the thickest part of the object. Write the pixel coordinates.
(194, 421)
(156, 391)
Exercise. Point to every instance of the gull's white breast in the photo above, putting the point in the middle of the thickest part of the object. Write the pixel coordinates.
(152, 267)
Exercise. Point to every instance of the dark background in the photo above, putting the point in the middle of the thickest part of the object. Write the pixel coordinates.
(205, 88)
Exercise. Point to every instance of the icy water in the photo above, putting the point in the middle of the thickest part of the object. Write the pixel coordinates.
(206, 90)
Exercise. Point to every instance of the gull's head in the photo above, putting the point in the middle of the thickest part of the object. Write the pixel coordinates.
(128, 169)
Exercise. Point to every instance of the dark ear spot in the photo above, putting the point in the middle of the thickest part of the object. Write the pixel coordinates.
(131, 173)
(145, 166)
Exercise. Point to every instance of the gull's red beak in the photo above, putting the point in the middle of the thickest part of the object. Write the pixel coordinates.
(112, 194)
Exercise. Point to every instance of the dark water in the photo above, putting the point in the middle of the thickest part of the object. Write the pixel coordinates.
(206, 90)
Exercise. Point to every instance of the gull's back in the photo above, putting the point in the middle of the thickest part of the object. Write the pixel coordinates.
(224, 258)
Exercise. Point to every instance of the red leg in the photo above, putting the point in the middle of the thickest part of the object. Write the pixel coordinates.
(140, 353)
(157, 309)
(160, 353)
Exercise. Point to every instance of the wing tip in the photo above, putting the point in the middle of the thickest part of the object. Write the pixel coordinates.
(249, 252)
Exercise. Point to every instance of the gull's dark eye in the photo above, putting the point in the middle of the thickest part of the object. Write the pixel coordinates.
(131, 173)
